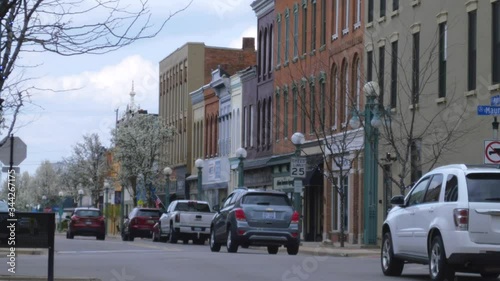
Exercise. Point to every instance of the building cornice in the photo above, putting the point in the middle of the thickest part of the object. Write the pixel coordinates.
(197, 96)
(261, 7)
(248, 74)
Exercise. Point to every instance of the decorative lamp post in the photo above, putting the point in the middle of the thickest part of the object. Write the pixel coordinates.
(371, 125)
(61, 209)
(80, 197)
(167, 172)
(44, 202)
(241, 154)
(298, 140)
(199, 164)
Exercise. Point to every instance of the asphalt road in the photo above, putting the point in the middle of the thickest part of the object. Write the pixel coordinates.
(143, 260)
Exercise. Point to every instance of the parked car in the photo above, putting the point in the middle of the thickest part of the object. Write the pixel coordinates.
(139, 223)
(186, 220)
(4, 231)
(449, 220)
(86, 221)
(255, 218)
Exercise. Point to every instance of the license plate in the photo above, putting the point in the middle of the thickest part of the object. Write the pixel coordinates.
(88, 222)
(151, 221)
(198, 229)
(270, 215)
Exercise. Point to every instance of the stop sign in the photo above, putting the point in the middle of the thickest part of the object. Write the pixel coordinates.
(19, 151)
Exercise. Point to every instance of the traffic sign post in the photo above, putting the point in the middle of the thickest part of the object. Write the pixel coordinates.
(491, 152)
(13, 151)
(488, 110)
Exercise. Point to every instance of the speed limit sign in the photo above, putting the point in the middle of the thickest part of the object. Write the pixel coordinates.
(298, 167)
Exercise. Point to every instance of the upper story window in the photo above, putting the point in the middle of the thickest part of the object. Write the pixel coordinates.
(295, 30)
(357, 24)
(287, 34)
(496, 42)
(370, 10)
(278, 47)
(443, 30)
(304, 26)
(335, 20)
(313, 25)
(323, 22)
(472, 50)
(347, 4)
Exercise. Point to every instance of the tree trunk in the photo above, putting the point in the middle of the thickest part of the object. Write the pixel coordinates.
(133, 184)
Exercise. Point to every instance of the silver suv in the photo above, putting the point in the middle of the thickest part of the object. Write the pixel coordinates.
(449, 220)
(255, 218)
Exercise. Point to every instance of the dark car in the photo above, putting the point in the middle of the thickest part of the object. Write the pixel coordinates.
(256, 218)
(86, 222)
(140, 223)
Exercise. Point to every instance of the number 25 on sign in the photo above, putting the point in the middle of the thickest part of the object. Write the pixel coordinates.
(298, 167)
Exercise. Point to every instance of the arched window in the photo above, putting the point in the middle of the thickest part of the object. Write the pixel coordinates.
(270, 49)
(264, 60)
(356, 81)
(344, 93)
(260, 53)
(269, 120)
(258, 123)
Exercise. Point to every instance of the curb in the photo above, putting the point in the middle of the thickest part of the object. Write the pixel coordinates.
(25, 252)
(36, 278)
(336, 252)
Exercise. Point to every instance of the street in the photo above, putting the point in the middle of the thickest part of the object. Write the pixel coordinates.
(143, 260)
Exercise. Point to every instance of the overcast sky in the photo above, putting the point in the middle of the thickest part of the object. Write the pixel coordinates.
(55, 121)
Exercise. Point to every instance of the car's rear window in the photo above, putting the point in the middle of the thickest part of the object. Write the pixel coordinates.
(88, 213)
(148, 213)
(192, 207)
(266, 199)
(483, 187)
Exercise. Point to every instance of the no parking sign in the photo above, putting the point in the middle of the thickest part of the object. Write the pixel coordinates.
(491, 152)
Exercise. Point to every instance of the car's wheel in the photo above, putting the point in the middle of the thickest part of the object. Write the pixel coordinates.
(124, 237)
(130, 237)
(491, 276)
(391, 266)
(231, 245)
(438, 266)
(245, 246)
(292, 249)
(69, 235)
(185, 241)
(214, 246)
(173, 235)
(273, 250)
(100, 237)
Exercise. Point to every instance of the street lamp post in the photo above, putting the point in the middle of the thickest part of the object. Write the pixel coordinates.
(80, 197)
(298, 140)
(44, 202)
(199, 164)
(241, 154)
(167, 172)
(370, 191)
(61, 195)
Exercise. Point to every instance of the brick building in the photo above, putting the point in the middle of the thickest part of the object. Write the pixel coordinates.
(184, 71)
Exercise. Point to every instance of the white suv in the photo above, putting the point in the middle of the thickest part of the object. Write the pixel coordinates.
(450, 220)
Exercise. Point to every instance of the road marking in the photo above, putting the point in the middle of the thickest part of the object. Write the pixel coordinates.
(108, 251)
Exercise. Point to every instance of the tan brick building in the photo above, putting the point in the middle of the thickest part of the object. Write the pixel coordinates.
(182, 72)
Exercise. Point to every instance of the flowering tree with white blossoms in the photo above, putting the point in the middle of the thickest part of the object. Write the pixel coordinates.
(138, 140)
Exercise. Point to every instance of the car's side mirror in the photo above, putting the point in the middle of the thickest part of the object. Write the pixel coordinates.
(216, 208)
(398, 200)
(68, 217)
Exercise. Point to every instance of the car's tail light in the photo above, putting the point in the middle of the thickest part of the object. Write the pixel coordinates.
(239, 215)
(295, 217)
(75, 219)
(461, 218)
(133, 221)
(177, 217)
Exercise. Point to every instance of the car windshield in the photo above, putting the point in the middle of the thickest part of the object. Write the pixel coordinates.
(88, 213)
(483, 187)
(266, 199)
(4, 207)
(148, 213)
(192, 207)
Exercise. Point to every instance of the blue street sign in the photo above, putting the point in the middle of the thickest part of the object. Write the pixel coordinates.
(495, 100)
(488, 110)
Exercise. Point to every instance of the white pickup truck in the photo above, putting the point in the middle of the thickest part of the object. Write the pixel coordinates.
(186, 220)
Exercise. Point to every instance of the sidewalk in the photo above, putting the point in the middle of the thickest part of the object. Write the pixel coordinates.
(30, 278)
